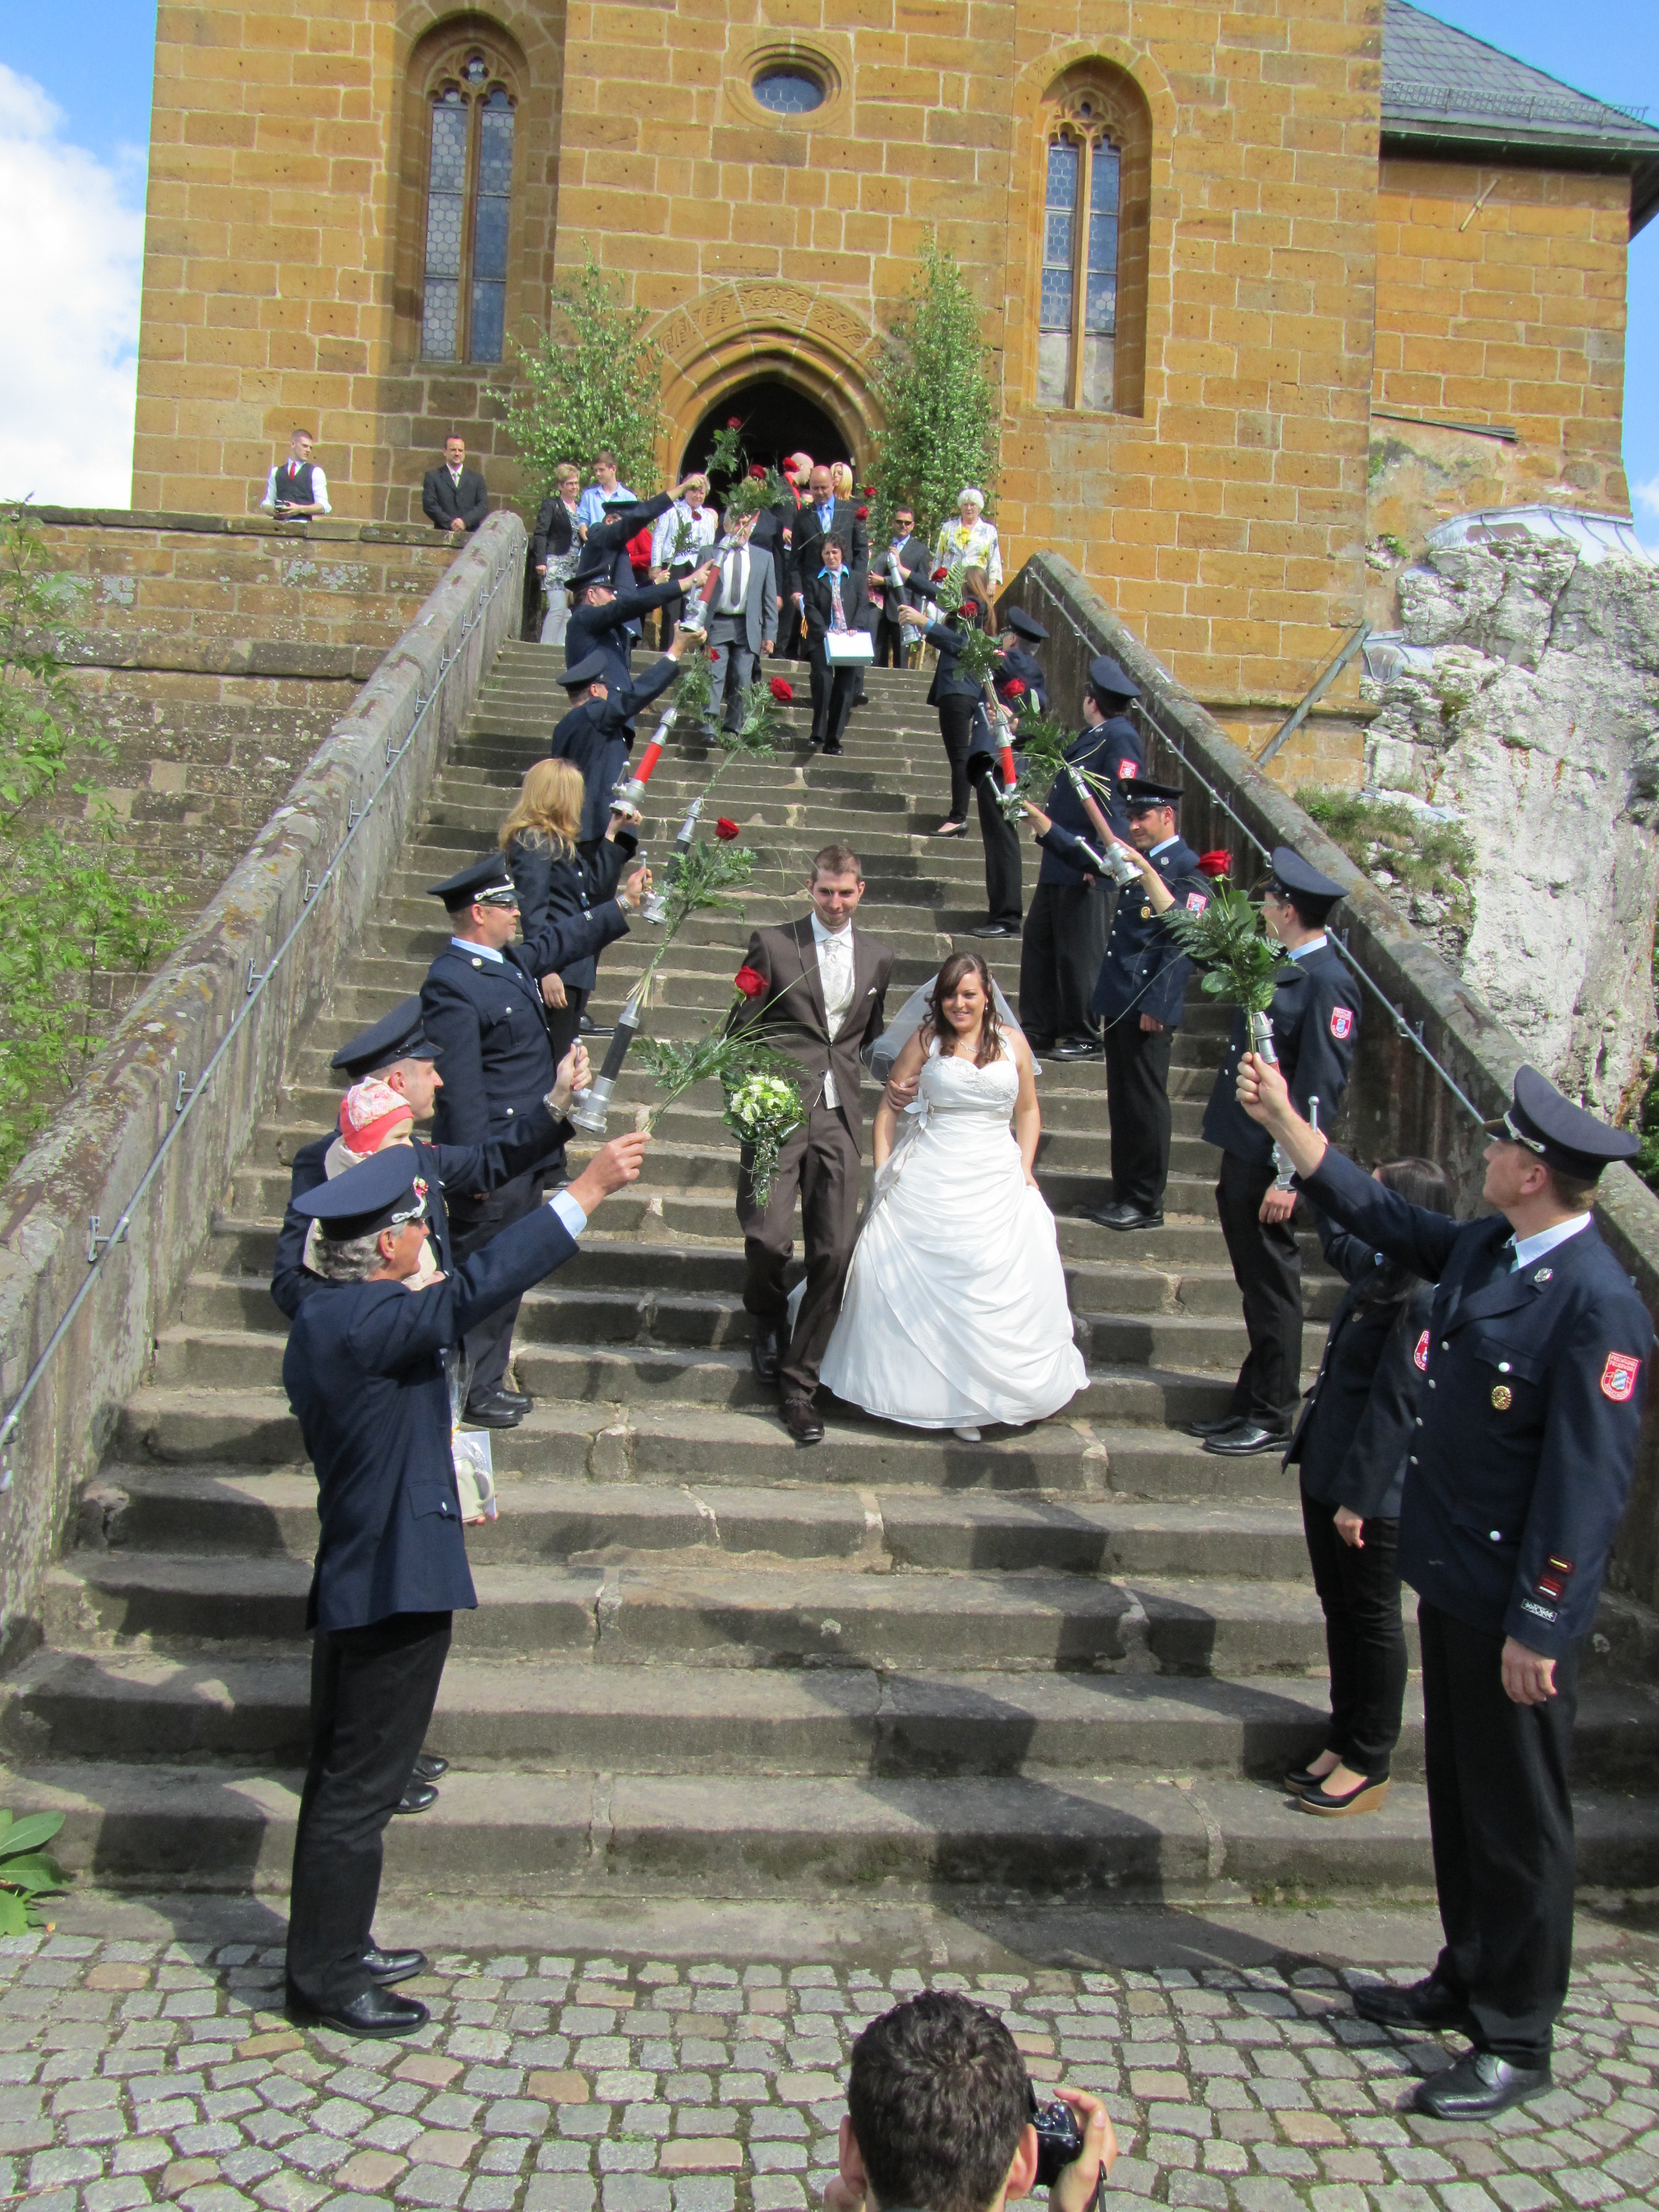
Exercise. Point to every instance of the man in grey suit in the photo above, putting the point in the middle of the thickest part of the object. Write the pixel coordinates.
(742, 608)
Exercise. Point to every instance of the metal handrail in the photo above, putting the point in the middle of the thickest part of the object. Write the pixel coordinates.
(1396, 1013)
(187, 1096)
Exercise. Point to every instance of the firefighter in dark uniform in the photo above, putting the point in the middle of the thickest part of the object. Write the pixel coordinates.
(367, 1373)
(600, 610)
(1018, 682)
(1140, 996)
(1534, 1368)
(1316, 1027)
(482, 1005)
(1065, 936)
(597, 734)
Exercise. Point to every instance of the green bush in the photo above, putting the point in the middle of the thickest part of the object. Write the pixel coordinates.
(1436, 858)
(27, 1872)
(590, 378)
(75, 910)
(939, 396)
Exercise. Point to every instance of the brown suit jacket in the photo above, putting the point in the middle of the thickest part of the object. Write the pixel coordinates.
(792, 1011)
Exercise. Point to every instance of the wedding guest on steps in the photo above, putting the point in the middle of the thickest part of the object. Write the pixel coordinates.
(556, 548)
(834, 606)
(557, 878)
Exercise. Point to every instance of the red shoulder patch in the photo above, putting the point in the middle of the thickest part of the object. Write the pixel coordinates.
(1420, 1356)
(1619, 1377)
(1128, 767)
(1342, 1021)
(1196, 901)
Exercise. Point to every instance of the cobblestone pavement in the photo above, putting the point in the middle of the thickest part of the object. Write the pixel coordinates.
(133, 2071)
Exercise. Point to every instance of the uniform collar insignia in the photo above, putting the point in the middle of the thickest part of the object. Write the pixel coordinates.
(1543, 1275)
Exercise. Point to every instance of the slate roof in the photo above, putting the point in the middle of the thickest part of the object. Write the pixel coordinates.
(1444, 89)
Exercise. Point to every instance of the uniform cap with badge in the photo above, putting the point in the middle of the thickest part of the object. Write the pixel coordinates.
(1291, 877)
(380, 1193)
(1139, 793)
(400, 1034)
(1105, 675)
(1563, 1136)
(481, 883)
(591, 668)
(1024, 625)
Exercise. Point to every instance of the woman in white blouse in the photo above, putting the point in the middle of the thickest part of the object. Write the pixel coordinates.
(972, 542)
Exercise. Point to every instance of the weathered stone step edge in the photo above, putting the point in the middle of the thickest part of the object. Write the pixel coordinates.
(744, 1836)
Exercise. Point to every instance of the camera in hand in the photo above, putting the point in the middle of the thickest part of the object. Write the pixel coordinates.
(1060, 2138)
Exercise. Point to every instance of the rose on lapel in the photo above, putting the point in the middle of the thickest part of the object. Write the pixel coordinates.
(726, 829)
(750, 982)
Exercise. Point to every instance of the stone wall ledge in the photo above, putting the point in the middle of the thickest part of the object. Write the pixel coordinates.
(1397, 1105)
(329, 528)
(273, 657)
(95, 1155)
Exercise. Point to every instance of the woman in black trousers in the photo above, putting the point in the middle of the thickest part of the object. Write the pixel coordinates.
(961, 701)
(1350, 1448)
(836, 686)
(554, 876)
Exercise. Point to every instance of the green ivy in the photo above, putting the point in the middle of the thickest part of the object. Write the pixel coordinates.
(590, 378)
(75, 912)
(936, 385)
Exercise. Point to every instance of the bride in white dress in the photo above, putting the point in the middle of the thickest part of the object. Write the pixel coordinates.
(955, 1311)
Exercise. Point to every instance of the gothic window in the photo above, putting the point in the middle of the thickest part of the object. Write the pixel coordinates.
(468, 199)
(1079, 327)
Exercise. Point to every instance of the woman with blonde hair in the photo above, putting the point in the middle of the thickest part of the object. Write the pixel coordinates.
(556, 875)
(840, 479)
(556, 548)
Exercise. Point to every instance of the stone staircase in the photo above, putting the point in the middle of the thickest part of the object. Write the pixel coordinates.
(1073, 1658)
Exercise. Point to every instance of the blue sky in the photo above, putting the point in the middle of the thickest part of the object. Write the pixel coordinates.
(92, 59)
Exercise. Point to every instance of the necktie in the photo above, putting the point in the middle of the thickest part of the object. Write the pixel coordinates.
(736, 581)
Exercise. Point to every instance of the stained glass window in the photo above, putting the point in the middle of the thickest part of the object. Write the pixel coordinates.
(469, 188)
(788, 91)
(1079, 267)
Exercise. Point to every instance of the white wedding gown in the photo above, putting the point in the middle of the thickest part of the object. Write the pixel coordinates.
(955, 1313)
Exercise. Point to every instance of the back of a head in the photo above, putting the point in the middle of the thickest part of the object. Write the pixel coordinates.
(1419, 1183)
(938, 2099)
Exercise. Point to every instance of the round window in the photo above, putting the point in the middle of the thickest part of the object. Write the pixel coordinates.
(789, 90)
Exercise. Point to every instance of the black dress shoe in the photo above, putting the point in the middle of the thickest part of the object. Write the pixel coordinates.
(802, 1423)
(417, 1796)
(1223, 1427)
(1479, 2087)
(832, 751)
(1428, 2003)
(1364, 1797)
(521, 1399)
(1077, 1048)
(587, 1027)
(372, 2012)
(389, 1966)
(765, 1351)
(429, 1767)
(1120, 1216)
(994, 929)
(1304, 1778)
(493, 1409)
(1246, 1439)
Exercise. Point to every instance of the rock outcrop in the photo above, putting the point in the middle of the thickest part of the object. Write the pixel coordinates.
(1536, 724)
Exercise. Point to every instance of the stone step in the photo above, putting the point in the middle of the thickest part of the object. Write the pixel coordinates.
(724, 1614)
(844, 1720)
(584, 1521)
(522, 1836)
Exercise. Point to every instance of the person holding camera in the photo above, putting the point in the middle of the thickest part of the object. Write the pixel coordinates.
(942, 2116)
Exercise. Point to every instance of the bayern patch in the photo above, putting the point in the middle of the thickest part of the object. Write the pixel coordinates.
(1619, 1377)
(1420, 1356)
(1342, 1021)
(1130, 769)
(1196, 901)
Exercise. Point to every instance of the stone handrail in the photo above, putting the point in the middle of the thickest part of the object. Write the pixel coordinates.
(1398, 1103)
(257, 964)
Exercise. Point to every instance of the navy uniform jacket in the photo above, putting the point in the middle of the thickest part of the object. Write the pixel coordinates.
(552, 890)
(1316, 1019)
(1534, 1383)
(600, 629)
(1109, 749)
(488, 1016)
(1359, 1422)
(598, 737)
(467, 1168)
(1144, 972)
(365, 1373)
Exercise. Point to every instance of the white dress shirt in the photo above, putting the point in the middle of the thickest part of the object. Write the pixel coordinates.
(700, 532)
(835, 952)
(318, 486)
(1529, 1249)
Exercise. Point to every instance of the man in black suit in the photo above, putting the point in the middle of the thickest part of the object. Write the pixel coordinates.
(906, 556)
(822, 514)
(482, 1006)
(453, 497)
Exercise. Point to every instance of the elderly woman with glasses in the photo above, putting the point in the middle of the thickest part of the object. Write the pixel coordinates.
(970, 542)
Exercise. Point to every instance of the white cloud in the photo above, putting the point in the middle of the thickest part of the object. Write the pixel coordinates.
(69, 342)
(1644, 506)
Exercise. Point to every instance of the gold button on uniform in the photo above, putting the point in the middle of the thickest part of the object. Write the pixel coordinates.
(1502, 1397)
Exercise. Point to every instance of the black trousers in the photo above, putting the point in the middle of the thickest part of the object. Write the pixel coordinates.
(820, 1161)
(956, 726)
(1268, 1269)
(1138, 1101)
(1500, 1817)
(563, 1026)
(1003, 883)
(474, 1222)
(372, 1693)
(893, 643)
(1065, 944)
(834, 690)
(791, 632)
(1365, 1636)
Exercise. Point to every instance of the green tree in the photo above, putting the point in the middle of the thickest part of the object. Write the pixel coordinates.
(936, 384)
(590, 378)
(76, 911)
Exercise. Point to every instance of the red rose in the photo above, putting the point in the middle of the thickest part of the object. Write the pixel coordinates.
(1014, 688)
(869, 492)
(782, 692)
(861, 514)
(939, 574)
(1215, 864)
(750, 982)
(713, 652)
(726, 829)
(758, 473)
(734, 422)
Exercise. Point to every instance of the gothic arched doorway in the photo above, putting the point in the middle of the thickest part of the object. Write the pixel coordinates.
(777, 420)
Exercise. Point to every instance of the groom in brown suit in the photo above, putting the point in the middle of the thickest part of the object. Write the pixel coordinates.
(826, 987)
